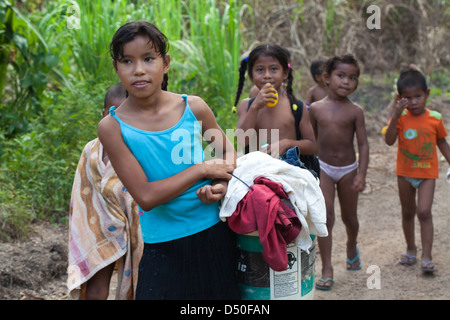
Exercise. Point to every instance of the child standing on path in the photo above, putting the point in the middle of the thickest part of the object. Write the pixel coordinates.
(336, 120)
(419, 130)
(154, 143)
(268, 68)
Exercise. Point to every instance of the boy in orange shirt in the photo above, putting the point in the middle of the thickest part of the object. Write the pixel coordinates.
(419, 131)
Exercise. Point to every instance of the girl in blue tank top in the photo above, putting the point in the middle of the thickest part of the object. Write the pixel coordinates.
(153, 141)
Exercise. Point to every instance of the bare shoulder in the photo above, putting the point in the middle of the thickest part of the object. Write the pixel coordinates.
(318, 103)
(310, 90)
(201, 110)
(357, 109)
(318, 106)
(107, 125)
(355, 105)
(197, 104)
(108, 130)
(243, 105)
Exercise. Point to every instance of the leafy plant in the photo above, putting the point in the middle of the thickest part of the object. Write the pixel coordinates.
(40, 165)
(26, 64)
(90, 26)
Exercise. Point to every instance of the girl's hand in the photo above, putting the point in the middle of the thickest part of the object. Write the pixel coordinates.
(211, 194)
(265, 95)
(217, 169)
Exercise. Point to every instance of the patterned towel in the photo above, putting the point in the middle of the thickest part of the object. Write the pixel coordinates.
(103, 226)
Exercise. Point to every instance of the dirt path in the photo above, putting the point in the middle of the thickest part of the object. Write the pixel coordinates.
(381, 242)
(37, 269)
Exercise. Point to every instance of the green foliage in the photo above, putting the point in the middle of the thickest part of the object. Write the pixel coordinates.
(335, 16)
(26, 66)
(439, 84)
(39, 166)
(15, 214)
(206, 63)
(90, 28)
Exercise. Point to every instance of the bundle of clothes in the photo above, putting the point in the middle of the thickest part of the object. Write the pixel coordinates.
(281, 201)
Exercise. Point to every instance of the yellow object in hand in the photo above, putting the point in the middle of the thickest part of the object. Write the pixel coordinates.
(383, 131)
(274, 103)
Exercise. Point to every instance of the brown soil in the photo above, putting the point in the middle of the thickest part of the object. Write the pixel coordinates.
(37, 269)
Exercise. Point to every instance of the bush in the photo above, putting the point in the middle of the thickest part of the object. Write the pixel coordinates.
(39, 166)
(15, 215)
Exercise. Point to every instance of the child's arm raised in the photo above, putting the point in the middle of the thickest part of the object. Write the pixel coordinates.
(395, 113)
(151, 194)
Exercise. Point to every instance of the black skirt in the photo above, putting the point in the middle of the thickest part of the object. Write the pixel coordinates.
(198, 267)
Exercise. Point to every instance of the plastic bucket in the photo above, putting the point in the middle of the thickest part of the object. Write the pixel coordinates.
(257, 281)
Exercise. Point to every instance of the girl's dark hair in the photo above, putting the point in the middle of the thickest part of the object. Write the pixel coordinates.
(129, 31)
(411, 78)
(346, 58)
(270, 50)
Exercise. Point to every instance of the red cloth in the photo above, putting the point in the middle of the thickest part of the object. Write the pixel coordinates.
(276, 222)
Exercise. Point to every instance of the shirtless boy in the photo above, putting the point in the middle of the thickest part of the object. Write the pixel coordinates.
(336, 120)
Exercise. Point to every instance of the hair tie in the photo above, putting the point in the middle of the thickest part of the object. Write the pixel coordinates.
(289, 65)
(246, 58)
(234, 109)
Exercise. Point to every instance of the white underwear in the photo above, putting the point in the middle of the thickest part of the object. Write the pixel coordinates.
(336, 173)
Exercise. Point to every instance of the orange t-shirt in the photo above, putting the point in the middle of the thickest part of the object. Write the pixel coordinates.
(417, 137)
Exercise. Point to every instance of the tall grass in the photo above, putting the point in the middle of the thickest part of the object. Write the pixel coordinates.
(209, 58)
(98, 20)
(205, 40)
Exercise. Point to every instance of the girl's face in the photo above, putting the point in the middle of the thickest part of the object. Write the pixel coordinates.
(417, 99)
(343, 79)
(141, 69)
(267, 69)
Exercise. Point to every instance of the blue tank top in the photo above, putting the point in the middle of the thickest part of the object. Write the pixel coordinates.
(163, 154)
